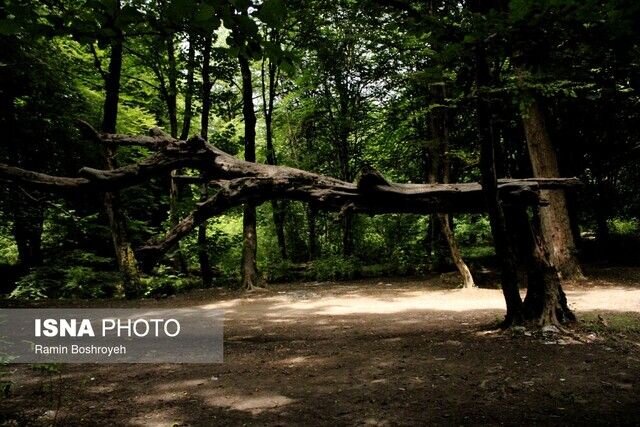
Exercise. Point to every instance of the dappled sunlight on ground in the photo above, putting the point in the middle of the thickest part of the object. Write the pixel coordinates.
(390, 300)
(612, 299)
(252, 404)
(456, 300)
(402, 352)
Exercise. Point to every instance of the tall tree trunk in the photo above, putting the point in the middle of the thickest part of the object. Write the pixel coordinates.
(268, 97)
(203, 247)
(172, 76)
(545, 302)
(28, 218)
(123, 251)
(188, 96)
(345, 174)
(250, 240)
(439, 171)
(28, 223)
(172, 109)
(206, 86)
(504, 251)
(554, 218)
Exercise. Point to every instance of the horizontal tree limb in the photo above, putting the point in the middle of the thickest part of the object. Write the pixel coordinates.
(238, 182)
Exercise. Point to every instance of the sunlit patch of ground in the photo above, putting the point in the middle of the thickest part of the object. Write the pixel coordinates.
(398, 352)
(281, 308)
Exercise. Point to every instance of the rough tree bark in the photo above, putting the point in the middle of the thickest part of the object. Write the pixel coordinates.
(124, 253)
(545, 302)
(545, 272)
(554, 218)
(250, 239)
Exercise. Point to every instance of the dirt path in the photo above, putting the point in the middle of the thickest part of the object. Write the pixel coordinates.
(391, 352)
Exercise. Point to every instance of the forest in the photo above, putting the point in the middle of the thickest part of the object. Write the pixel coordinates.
(455, 180)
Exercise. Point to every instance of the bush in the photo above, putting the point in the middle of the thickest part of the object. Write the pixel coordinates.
(624, 226)
(165, 285)
(334, 268)
(8, 249)
(75, 275)
(280, 271)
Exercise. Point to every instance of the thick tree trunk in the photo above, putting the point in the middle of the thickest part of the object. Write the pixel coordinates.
(504, 250)
(124, 254)
(545, 302)
(250, 239)
(554, 218)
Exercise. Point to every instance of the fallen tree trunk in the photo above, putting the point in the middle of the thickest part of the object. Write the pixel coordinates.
(236, 182)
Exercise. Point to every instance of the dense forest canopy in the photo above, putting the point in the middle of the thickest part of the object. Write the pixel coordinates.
(401, 91)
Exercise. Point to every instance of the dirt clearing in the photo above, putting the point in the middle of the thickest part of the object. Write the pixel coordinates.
(383, 352)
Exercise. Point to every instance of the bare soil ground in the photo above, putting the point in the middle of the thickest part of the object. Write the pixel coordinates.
(381, 352)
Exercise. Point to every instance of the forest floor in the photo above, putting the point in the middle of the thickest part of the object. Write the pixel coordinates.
(371, 352)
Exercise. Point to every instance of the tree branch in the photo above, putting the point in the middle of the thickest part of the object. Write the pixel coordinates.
(239, 182)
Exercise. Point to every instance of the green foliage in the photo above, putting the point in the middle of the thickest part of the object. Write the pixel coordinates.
(334, 268)
(8, 248)
(280, 271)
(76, 274)
(611, 323)
(355, 87)
(625, 226)
(472, 230)
(165, 284)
